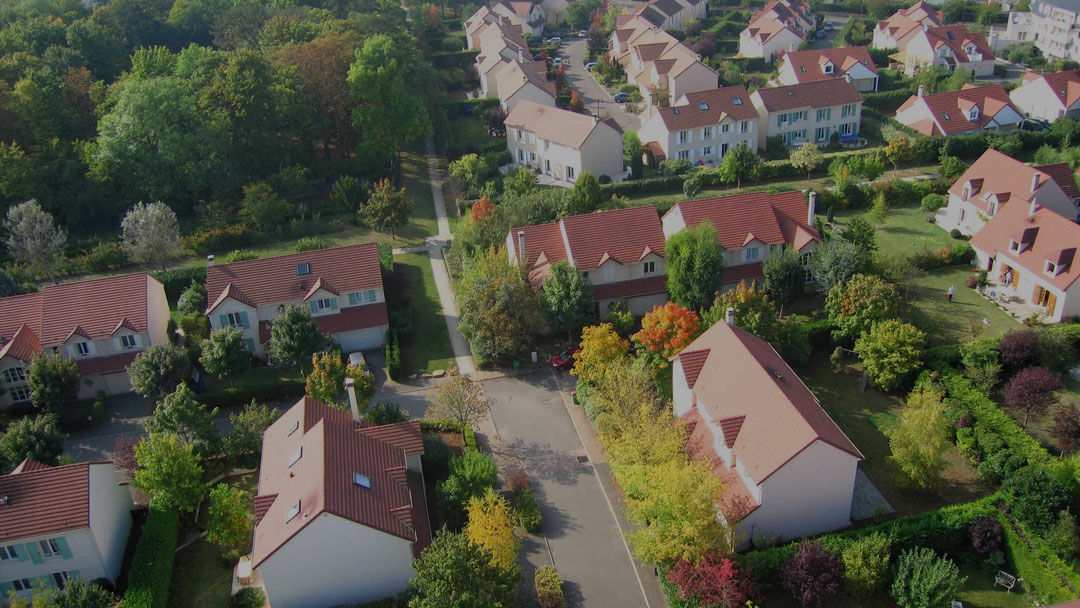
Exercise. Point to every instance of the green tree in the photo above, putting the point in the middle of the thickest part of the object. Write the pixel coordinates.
(862, 234)
(231, 521)
(225, 354)
(295, 336)
(519, 182)
(754, 311)
(566, 299)
(387, 208)
(807, 157)
(740, 162)
(632, 152)
(862, 301)
(920, 440)
(468, 173)
(785, 277)
(169, 471)
(32, 237)
(38, 438)
(16, 174)
(7, 285)
(924, 580)
(54, 382)
(347, 195)
(193, 300)
(263, 208)
(500, 313)
(833, 262)
(158, 369)
(695, 266)
(150, 234)
(891, 351)
(879, 211)
(248, 426)
(866, 565)
(180, 415)
(586, 196)
(454, 573)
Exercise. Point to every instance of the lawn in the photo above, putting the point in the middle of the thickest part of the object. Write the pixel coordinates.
(950, 322)
(904, 231)
(427, 346)
(470, 132)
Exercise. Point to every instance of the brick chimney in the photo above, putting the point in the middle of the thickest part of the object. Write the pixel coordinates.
(922, 90)
(729, 316)
(210, 260)
(522, 258)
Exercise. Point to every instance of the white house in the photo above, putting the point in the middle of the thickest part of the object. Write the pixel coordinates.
(969, 110)
(342, 287)
(525, 82)
(340, 511)
(810, 112)
(952, 47)
(850, 63)
(889, 33)
(788, 469)
(751, 227)
(561, 144)
(59, 523)
(996, 181)
(1048, 96)
(656, 61)
(477, 23)
(1054, 26)
(671, 14)
(780, 26)
(621, 252)
(1030, 251)
(523, 14)
(100, 324)
(499, 47)
(701, 127)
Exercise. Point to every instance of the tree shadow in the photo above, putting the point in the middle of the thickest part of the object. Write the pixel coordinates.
(544, 463)
(556, 522)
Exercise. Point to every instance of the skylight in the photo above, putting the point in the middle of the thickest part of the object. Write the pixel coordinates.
(950, 35)
(292, 512)
(703, 106)
(303, 268)
(675, 111)
(736, 100)
(295, 456)
(946, 115)
(361, 480)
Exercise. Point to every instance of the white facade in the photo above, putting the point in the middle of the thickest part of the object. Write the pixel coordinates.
(864, 79)
(801, 125)
(1028, 285)
(708, 144)
(919, 54)
(784, 40)
(1037, 99)
(600, 154)
(962, 213)
(1054, 26)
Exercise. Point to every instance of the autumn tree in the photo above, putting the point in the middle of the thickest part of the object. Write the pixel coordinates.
(920, 440)
(491, 526)
(387, 208)
(577, 103)
(566, 298)
(716, 582)
(500, 313)
(601, 348)
(754, 311)
(225, 353)
(1066, 428)
(53, 380)
(454, 573)
(180, 415)
(327, 377)
(482, 209)
(1032, 391)
(32, 237)
(813, 575)
(169, 471)
(891, 351)
(150, 234)
(859, 303)
(459, 399)
(231, 521)
(899, 150)
(665, 331)
(807, 157)
(695, 266)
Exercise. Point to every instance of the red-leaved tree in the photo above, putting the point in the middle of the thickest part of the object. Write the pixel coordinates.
(1066, 428)
(577, 104)
(814, 575)
(1019, 348)
(482, 209)
(665, 331)
(986, 535)
(1032, 390)
(715, 582)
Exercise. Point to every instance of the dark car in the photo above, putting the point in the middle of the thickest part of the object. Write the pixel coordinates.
(564, 360)
(621, 97)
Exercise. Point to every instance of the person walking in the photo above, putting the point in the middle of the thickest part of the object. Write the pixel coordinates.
(949, 294)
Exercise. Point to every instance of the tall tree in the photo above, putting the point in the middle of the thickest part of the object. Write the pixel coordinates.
(740, 162)
(695, 266)
(158, 369)
(179, 414)
(891, 351)
(347, 194)
(1032, 390)
(920, 440)
(861, 233)
(500, 313)
(632, 151)
(224, 354)
(601, 348)
(387, 208)
(754, 311)
(54, 382)
(785, 277)
(833, 262)
(327, 378)
(566, 299)
(665, 331)
(151, 234)
(263, 208)
(38, 438)
(248, 426)
(455, 573)
(807, 157)
(899, 150)
(859, 303)
(231, 521)
(295, 336)
(491, 526)
(32, 237)
(586, 196)
(169, 471)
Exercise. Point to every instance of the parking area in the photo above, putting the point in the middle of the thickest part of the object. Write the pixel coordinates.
(597, 100)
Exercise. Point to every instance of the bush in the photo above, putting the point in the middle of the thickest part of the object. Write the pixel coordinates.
(932, 202)
(1035, 498)
(309, 243)
(151, 567)
(1019, 348)
(385, 412)
(549, 588)
(436, 457)
(240, 255)
(814, 575)
(691, 186)
(528, 511)
(866, 565)
(924, 580)
(219, 239)
(517, 480)
(176, 280)
(248, 597)
(393, 356)
(1055, 351)
(955, 233)
(987, 535)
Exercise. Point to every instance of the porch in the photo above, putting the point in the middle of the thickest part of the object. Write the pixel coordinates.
(1009, 300)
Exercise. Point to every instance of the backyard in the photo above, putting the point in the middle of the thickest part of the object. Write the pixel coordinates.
(904, 231)
(426, 346)
(967, 317)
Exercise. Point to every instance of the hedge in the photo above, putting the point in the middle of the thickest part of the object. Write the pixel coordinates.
(458, 108)
(449, 426)
(887, 101)
(151, 566)
(1045, 575)
(176, 280)
(452, 59)
(235, 396)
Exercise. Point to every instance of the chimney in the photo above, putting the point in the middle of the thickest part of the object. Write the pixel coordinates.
(353, 406)
(1033, 208)
(521, 247)
(926, 27)
(521, 56)
(811, 209)
(791, 47)
(1035, 181)
(922, 90)
(729, 316)
(210, 260)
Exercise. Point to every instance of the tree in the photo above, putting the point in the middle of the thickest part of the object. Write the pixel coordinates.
(54, 382)
(295, 336)
(1035, 497)
(327, 377)
(987, 535)
(566, 298)
(347, 195)
(454, 573)
(179, 414)
(833, 262)
(924, 580)
(754, 311)
(807, 157)
(879, 212)
(76, 593)
(585, 197)
(193, 300)
(387, 208)
(695, 266)
(482, 209)
(1019, 348)
(519, 182)
(248, 426)
(151, 234)
(899, 150)
(500, 313)
(459, 399)
(1066, 428)
(665, 331)
(813, 575)
(861, 233)
(491, 526)
(1032, 390)
(632, 151)
(263, 208)
(169, 471)
(38, 438)
(158, 369)
(740, 162)
(224, 354)
(920, 440)
(32, 238)
(231, 521)
(785, 277)
(866, 565)
(890, 351)
(862, 301)
(715, 582)
(468, 173)
(601, 348)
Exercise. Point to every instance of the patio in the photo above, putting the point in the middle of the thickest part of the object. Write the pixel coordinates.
(1014, 305)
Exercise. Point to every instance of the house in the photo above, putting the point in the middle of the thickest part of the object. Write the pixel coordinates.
(340, 512)
(996, 181)
(904, 23)
(701, 127)
(499, 47)
(952, 47)
(851, 63)
(523, 14)
(780, 26)
(100, 324)
(1048, 96)
(560, 144)
(969, 110)
(478, 22)
(342, 287)
(751, 227)
(58, 523)
(1054, 26)
(621, 252)
(1030, 251)
(796, 14)
(810, 112)
(524, 81)
(787, 468)
(657, 62)
(671, 14)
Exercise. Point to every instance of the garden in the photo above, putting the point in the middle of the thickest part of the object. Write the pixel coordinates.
(416, 317)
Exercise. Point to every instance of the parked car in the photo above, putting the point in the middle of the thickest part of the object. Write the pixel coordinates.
(554, 40)
(565, 359)
(556, 62)
(357, 359)
(583, 34)
(538, 57)
(589, 66)
(565, 61)
(828, 26)
(621, 97)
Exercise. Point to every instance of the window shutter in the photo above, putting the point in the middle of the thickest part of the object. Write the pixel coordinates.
(244, 320)
(35, 553)
(73, 574)
(372, 296)
(333, 304)
(314, 306)
(250, 345)
(6, 588)
(352, 299)
(20, 552)
(224, 320)
(65, 551)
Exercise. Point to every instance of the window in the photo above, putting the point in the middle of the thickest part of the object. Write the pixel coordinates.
(303, 268)
(369, 295)
(21, 584)
(570, 174)
(49, 548)
(13, 375)
(649, 267)
(683, 154)
(751, 254)
(532, 138)
(1014, 246)
(8, 552)
(967, 191)
(684, 136)
(520, 135)
(547, 166)
(808, 277)
(848, 110)
(828, 68)
(724, 128)
(707, 151)
(362, 480)
(723, 150)
(845, 129)
(804, 259)
(736, 101)
(744, 126)
(19, 393)
(295, 427)
(296, 456)
(82, 348)
(235, 319)
(706, 133)
(61, 578)
(292, 512)
(825, 114)
(521, 156)
(324, 304)
(1050, 268)
(991, 209)
(821, 133)
(532, 156)
(703, 106)
(973, 114)
(128, 341)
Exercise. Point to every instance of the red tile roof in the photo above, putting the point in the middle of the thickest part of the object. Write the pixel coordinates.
(808, 66)
(744, 377)
(104, 365)
(770, 218)
(742, 272)
(1064, 176)
(350, 318)
(957, 37)
(332, 450)
(624, 235)
(543, 239)
(1010, 180)
(1066, 85)
(699, 446)
(718, 105)
(44, 500)
(22, 346)
(1052, 237)
(16, 311)
(273, 280)
(949, 109)
(629, 289)
(820, 94)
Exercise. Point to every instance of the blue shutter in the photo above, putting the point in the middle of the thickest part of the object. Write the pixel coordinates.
(5, 589)
(224, 320)
(333, 304)
(20, 552)
(314, 306)
(244, 320)
(73, 574)
(250, 345)
(35, 553)
(65, 551)
(352, 299)
(372, 295)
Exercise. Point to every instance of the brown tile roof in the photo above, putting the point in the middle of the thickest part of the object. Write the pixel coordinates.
(667, 7)
(770, 218)
(718, 105)
(1007, 178)
(1063, 174)
(560, 126)
(809, 66)
(821, 94)
(23, 345)
(624, 235)
(332, 450)
(956, 37)
(785, 11)
(44, 500)
(104, 365)
(348, 319)
(948, 112)
(742, 376)
(1066, 85)
(766, 28)
(742, 272)
(907, 21)
(1052, 237)
(16, 311)
(540, 239)
(273, 280)
(629, 289)
(699, 446)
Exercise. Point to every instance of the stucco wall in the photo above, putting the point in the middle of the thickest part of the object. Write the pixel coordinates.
(157, 311)
(1068, 302)
(697, 77)
(614, 272)
(681, 397)
(84, 558)
(110, 516)
(528, 92)
(767, 122)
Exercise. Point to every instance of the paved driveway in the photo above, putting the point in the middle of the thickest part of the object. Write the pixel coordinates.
(827, 38)
(583, 83)
(581, 535)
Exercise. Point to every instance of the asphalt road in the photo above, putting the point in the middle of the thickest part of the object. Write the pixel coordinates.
(584, 84)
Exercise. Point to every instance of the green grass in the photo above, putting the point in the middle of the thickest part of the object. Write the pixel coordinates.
(979, 590)
(256, 376)
(951, 322)
(427, 347)
(469, 131)
(904, 231)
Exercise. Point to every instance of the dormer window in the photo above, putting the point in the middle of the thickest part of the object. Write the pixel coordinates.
(736, 101)
(675, 111)
(292, 512)
(828, 68)
(362, 480)
(82, 348)
(650, 267)
(991, 208)
(302, 269)
(973, 114)
(1051, 268)
(1014, 246)
(128, 341)
(802, 68)
(945, 115)
(967, 191)
(324, 304)
(295, 456)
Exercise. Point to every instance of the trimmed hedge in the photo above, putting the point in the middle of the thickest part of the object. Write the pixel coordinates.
(151, 566)
(1045, 575)
(458, 108)
(454, 59)
(240, 396)
(176, 280)
(886, 101)
(449, 426)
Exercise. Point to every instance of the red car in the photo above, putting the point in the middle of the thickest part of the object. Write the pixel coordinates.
(565, 359)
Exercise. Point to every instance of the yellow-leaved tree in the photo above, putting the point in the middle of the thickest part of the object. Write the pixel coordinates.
(601, 348)
(491, 527)
(920, 439)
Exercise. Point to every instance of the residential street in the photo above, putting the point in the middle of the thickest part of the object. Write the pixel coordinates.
(583, 83)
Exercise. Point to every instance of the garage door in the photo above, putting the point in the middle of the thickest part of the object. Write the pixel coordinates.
(116, 383)
(351, 341)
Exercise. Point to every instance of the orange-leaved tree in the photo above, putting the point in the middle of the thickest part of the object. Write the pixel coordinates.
(665, 331)
(482, 209)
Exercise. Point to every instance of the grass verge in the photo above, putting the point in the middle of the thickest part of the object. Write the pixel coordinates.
(427, 346)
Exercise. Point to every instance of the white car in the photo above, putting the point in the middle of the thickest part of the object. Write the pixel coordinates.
(357, 359)
(554, 40)
(583, 34)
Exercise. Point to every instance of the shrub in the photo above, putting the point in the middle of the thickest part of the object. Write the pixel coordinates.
(1019, 348)
(971, 281)
(987, 535)
(385, 412)
(1066, 428)
(549, 588)
(151, 569)
(814, 575)
(248, 597)
(1064, 538)
(528, 511)
(393, 356)
(1035, 498)
(1055, 351)
(240, 255)
(176, 280)
(517, 480)
(1031, 390)
(219, 239)
(714, 581)
(955, 233)
(309, 243)
(691, 186)
(932, 202)
(866, 565)
(436, 457)
(924, 580)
